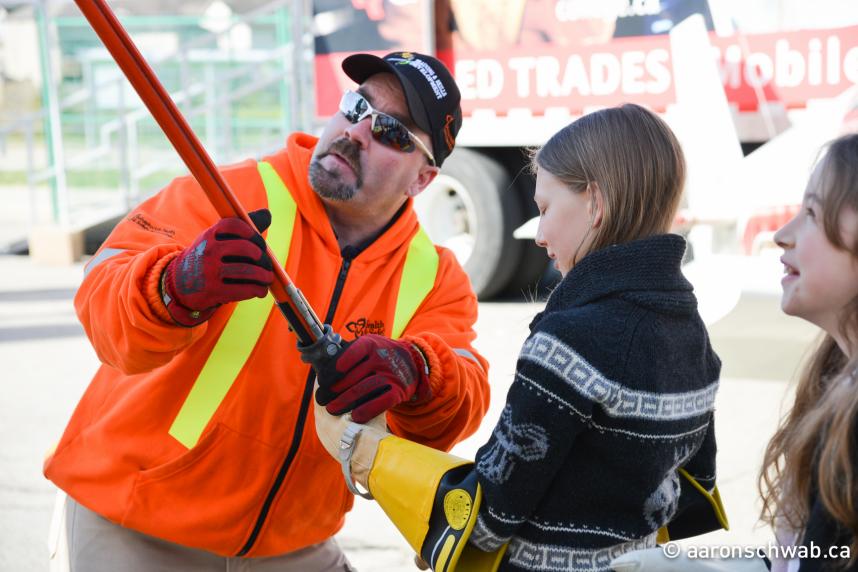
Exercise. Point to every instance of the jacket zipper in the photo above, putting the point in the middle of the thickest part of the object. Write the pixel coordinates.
(348, 256)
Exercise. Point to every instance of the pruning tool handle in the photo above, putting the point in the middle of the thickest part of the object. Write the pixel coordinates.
(291, 302)
(324, 350)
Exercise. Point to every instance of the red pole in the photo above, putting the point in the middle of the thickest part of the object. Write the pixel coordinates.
(289, 299)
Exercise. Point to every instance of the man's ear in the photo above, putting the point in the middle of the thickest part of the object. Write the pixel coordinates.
(425, 176)
(596, 206)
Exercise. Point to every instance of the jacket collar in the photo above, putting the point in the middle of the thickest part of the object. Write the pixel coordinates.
(645, 270)
(293, 166)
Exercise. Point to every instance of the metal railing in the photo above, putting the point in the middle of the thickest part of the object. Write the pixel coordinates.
(114, 135)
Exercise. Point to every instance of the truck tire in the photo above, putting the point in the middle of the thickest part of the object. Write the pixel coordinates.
(531, 279)
(472, 209)
(528, 280)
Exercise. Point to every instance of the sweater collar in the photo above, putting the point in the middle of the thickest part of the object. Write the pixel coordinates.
(645, 271)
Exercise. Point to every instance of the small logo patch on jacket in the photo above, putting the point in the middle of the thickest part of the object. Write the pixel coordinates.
(146, 224)
(362, 326)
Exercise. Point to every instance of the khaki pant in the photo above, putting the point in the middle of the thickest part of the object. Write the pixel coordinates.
(83, 541)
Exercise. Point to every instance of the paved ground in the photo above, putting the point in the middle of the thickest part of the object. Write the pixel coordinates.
(47, 362)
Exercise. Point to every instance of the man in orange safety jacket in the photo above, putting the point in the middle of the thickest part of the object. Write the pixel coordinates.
(194, 443)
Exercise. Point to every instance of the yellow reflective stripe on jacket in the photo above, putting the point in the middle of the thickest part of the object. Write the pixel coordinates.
(102, 255)
(244, 327)
(418, 278)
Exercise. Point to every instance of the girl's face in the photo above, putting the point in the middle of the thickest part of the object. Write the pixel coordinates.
(820, 279)
(565, 220)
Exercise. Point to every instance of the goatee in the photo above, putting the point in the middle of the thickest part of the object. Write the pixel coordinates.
(329, 184)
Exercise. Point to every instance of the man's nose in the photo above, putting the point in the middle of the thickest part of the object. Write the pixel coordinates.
(360, 132)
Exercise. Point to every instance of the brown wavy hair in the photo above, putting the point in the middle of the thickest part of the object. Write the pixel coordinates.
(632, 158)
(814, 449)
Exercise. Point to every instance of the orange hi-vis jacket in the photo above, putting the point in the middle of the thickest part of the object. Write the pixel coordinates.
(205, 436)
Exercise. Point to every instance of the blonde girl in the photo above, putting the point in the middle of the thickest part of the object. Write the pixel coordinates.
(615, 385)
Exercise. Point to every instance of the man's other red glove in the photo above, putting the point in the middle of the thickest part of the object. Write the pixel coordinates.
(226, 263)
(373, 374)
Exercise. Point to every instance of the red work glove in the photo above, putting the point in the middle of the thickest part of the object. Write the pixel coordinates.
(372, 375)
(226, 263)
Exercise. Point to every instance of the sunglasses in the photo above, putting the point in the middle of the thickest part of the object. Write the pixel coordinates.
(385, 129)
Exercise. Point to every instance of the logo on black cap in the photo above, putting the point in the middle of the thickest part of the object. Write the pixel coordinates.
(407, 58)
(448, 137)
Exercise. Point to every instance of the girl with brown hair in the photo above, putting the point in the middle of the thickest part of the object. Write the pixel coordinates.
(809, 480)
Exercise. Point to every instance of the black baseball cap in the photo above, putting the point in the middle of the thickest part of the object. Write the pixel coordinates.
(430, 91)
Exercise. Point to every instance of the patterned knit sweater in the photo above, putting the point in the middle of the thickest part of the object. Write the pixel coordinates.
(614, 392)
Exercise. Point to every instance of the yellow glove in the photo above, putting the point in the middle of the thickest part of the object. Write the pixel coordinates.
(352, 444)
(432, 497)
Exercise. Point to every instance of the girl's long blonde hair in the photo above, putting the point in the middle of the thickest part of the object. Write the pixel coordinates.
(813, 452)
(634, 160)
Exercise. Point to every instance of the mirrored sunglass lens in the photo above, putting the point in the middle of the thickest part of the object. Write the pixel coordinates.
(353, 106)
(393, 133)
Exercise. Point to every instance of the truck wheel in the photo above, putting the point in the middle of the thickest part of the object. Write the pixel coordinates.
(532, 280)
(471, 209)
(528, 280)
